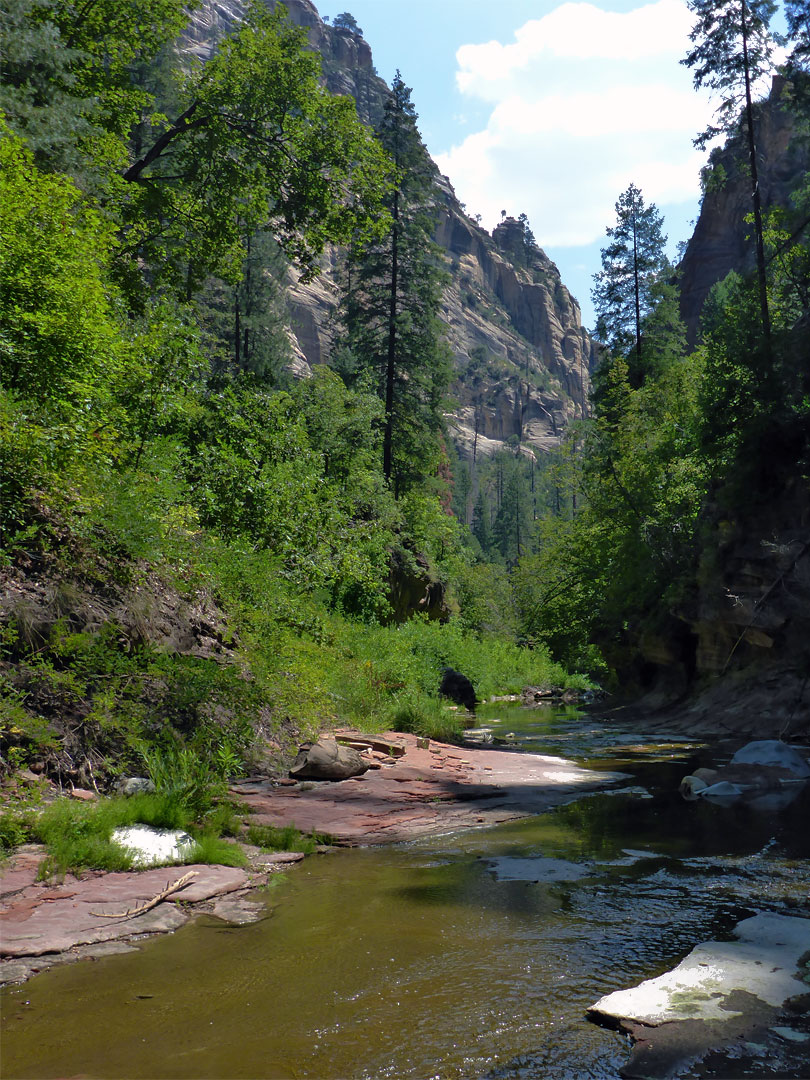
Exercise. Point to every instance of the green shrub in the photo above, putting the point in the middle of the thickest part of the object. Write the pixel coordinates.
(15, 828)
(209, 848)
(286, 838)
(77, 834)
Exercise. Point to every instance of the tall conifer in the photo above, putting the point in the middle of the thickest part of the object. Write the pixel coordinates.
(631, 263)
(732, 50)
(392, 301)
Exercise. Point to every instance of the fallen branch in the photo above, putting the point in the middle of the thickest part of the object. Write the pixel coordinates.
(173, 888)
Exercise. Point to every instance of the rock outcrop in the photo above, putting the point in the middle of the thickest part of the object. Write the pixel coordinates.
(722, 240)
(523, 359)
(742, 640)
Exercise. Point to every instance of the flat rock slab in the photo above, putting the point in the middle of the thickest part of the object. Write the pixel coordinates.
(722, 993)
(39, 917)
(429, 789)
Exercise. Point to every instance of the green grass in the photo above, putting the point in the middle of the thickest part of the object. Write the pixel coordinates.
(210, 848)
(77, 835)
(286, 838)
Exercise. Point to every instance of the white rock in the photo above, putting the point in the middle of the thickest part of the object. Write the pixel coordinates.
(791, 1034)
(763, 962)
(692, 786)
(723, 790)
(772, 752)
(151, 847)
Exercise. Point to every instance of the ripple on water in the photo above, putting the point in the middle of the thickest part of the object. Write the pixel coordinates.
(463, 957)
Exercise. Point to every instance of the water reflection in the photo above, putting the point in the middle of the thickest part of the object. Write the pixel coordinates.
(471, 955)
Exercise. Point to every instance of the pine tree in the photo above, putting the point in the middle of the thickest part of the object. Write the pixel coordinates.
(631, 264)
(481, 527)
(797, 15)
(732, 49)
(244, 322)
(391, 304)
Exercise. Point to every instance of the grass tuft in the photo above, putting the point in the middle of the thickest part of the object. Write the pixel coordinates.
(286, 838)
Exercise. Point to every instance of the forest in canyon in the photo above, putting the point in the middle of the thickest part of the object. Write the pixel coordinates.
(284, 432)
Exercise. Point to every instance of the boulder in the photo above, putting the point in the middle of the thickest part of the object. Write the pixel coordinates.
(723, 994)
(773, 753)
(458, 688)
(326, 759)
(151, 847)
(766, 765)
(134, 785)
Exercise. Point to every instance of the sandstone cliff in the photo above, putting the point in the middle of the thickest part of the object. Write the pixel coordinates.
(523, 359)
(722, 240)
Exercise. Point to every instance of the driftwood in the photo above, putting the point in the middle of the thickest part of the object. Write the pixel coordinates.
(174, 887)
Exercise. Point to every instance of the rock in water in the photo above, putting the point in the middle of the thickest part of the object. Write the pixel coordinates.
(458, 688)
(327, 760)
(760, 766)
(774, 753)
(722, 993)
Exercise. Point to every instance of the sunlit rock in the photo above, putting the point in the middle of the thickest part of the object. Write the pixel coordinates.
(326, 759)
(773, 753)
(763, 962)
(151, 847)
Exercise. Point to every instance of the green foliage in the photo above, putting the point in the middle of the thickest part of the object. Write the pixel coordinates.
(184, 777)
(798, 23)
(346, 21)
(254, 474)
(631, 264)
(146, 449)
(67, 73)
(629, 547)
(209, 848)
(287, 838)
(15, 828)
(298, 159)
(732, 46)
(78, 837)
(60, 346)
(391, 304)
(77, 834)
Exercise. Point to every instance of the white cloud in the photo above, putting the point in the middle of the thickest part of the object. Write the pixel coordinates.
(583, 102)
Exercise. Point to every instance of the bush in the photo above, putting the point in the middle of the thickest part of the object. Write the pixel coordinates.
(288, 838)
(77, 834)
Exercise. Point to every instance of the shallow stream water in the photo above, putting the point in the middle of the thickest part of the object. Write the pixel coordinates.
(473, 955)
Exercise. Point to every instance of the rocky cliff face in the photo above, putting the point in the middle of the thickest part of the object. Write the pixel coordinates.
(722, 240)
(523, 359)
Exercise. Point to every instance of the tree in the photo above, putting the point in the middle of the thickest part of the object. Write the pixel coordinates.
(259, 143)
(481, 523)
(38, 92)
(244, 322)
(511, 529)
(797, 15)
(67, 71)
(732, 49)
(631, 264)
(190, 161)
(391, 304)
(346, 21)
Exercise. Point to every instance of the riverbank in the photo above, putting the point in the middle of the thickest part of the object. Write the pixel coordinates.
(763, 703)
(413, 787)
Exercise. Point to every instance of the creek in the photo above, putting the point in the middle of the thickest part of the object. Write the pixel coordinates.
(472, 955)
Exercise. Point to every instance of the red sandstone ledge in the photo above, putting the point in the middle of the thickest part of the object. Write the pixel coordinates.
(414, 787)
(428, 788)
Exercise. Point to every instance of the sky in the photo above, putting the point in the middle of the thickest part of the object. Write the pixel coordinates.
(550, 109)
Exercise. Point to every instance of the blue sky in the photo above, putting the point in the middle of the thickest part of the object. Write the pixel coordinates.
(550, 109)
